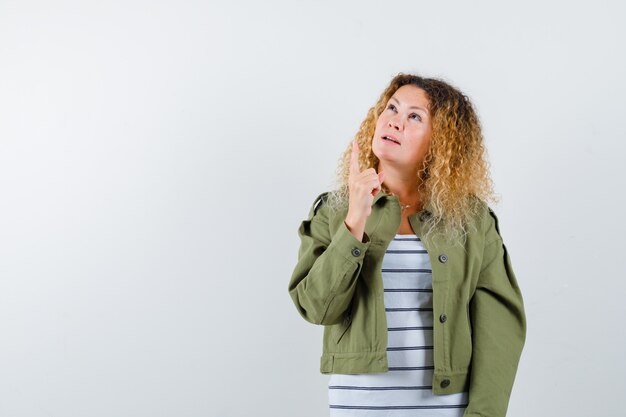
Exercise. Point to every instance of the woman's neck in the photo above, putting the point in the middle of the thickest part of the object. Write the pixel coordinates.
(403, 185)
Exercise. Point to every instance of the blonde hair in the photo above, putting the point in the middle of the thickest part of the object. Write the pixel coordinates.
(454, 177)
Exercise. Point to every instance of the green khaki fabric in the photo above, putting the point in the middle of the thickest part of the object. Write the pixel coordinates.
(478, 311)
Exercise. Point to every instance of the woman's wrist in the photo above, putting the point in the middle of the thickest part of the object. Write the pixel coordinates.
(356, 227)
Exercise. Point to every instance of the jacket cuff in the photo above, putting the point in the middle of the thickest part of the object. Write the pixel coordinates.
(346, 244)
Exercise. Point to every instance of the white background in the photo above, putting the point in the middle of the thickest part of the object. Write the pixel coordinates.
(157, 157)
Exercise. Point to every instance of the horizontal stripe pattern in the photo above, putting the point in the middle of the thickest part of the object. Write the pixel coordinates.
(406, 389)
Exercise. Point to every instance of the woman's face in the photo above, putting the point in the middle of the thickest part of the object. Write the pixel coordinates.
(406, 122)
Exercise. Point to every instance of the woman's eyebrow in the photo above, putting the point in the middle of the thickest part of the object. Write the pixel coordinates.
(412, 107)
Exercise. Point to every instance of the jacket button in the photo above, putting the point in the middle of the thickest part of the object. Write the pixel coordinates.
(445, 383)
(356, 252)
(443, 258)
(443, 318)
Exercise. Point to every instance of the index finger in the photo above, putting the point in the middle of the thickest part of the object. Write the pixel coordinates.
(354, 159)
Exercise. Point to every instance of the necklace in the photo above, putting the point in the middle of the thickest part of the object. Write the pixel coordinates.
(402, 205)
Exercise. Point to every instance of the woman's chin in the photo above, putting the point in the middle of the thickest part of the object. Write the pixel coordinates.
(385, 155)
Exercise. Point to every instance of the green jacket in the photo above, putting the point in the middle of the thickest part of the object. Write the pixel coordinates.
(480, 323)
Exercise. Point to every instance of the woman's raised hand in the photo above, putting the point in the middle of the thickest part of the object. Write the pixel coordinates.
(363, 187)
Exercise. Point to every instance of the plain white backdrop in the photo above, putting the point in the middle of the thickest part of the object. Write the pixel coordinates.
(157, 157)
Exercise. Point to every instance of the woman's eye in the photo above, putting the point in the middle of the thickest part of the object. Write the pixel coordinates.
(391, 107)
(415, 116)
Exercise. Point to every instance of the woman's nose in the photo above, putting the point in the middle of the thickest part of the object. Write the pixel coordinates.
(395, 123)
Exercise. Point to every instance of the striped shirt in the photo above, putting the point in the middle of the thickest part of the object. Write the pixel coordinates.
(406, 389)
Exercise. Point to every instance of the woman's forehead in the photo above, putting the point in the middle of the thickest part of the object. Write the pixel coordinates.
(411, 96)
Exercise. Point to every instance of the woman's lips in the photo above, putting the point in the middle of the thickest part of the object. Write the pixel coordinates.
(390, 140)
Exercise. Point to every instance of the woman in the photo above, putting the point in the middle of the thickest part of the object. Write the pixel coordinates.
(405, 267)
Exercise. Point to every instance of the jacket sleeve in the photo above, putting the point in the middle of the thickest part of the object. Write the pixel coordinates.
(325, 276)
(498, 329)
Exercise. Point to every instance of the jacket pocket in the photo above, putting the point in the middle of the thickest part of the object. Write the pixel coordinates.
(343, 328)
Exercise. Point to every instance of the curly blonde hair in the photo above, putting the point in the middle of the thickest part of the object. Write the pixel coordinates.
(454, 177)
